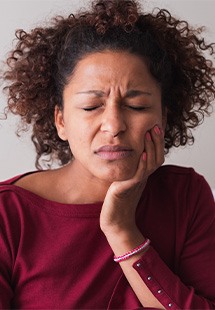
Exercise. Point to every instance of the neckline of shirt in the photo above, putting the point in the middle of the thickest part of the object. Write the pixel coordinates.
(30, 199)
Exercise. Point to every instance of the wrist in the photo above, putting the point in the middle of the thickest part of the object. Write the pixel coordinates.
(124, 241)
(143, 247)
(119, 228)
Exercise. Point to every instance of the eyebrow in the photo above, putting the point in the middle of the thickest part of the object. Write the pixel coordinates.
(135, 93)
(98, 93)
(129, 94)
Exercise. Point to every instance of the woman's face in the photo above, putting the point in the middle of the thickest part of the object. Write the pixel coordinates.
(110, 103)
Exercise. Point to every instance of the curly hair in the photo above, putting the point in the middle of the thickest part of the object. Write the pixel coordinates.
(44, 59)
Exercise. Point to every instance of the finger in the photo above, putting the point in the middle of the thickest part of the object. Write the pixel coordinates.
(158, 139)
(150, 153)
(119, 188)
(141, 169)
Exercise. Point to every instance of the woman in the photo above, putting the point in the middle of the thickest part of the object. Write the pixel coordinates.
(106, 92)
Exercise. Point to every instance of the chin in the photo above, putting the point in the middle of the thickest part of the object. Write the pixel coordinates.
(113, 175)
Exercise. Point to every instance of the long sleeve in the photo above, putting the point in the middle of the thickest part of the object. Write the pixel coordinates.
(168, 287)
(40, 266)
(6, 262)
(6, 293)
(192, 284)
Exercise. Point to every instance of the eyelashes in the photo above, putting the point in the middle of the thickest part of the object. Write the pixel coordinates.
(137, 108)
(134, 108)
(90, 109)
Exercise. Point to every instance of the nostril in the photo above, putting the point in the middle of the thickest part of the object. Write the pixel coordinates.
(113, 124)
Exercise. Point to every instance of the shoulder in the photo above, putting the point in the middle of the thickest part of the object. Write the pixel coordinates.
(10, 185)
(16, 178)
(182, 192)
(182, 182)
(175, 170)
(17, 191)
(178, 174)
(19, 200)
(32, 186)
(11, 195)
(185, 187)
(172, 176)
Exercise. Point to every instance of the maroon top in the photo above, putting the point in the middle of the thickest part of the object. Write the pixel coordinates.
(54, 255)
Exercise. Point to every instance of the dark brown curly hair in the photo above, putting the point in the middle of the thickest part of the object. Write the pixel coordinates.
(42, 61)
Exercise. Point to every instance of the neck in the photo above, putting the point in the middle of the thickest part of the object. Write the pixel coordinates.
(79, 186)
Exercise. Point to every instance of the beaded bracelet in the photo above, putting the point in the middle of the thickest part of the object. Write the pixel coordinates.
(140, 248)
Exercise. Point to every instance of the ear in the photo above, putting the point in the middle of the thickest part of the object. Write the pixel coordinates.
(59, 123)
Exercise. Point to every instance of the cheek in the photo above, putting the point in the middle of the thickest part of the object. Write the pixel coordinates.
(74, 128)
(140, 131)
(141, 127)
(79, 140)
(154, 120)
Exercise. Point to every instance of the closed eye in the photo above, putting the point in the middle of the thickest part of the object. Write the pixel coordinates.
(90, 108)
(137, 108)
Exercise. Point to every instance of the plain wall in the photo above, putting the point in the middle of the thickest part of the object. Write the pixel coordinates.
(18, 155)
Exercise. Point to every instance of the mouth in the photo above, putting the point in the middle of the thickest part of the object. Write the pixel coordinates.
(113, 152)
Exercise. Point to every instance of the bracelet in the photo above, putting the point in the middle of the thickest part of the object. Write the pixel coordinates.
(140, 248)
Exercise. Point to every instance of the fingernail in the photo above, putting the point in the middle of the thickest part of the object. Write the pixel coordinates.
(157, 130)
(148, 136)
(144, 156)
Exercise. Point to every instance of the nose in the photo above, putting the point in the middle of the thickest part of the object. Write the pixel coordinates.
(113, 121)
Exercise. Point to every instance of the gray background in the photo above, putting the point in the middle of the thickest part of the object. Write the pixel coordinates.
(18, 156)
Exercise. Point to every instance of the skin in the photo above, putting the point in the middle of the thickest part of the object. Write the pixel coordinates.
(112, 100)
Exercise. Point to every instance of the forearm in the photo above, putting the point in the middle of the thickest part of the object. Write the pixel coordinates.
(154, 284)
(122, 243)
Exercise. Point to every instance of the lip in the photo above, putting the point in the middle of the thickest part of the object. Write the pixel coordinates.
(113, 152)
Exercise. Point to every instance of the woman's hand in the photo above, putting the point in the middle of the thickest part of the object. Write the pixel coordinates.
(119, 207)
(117, 219)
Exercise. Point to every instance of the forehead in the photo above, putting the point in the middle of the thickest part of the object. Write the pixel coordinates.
(115, 68)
